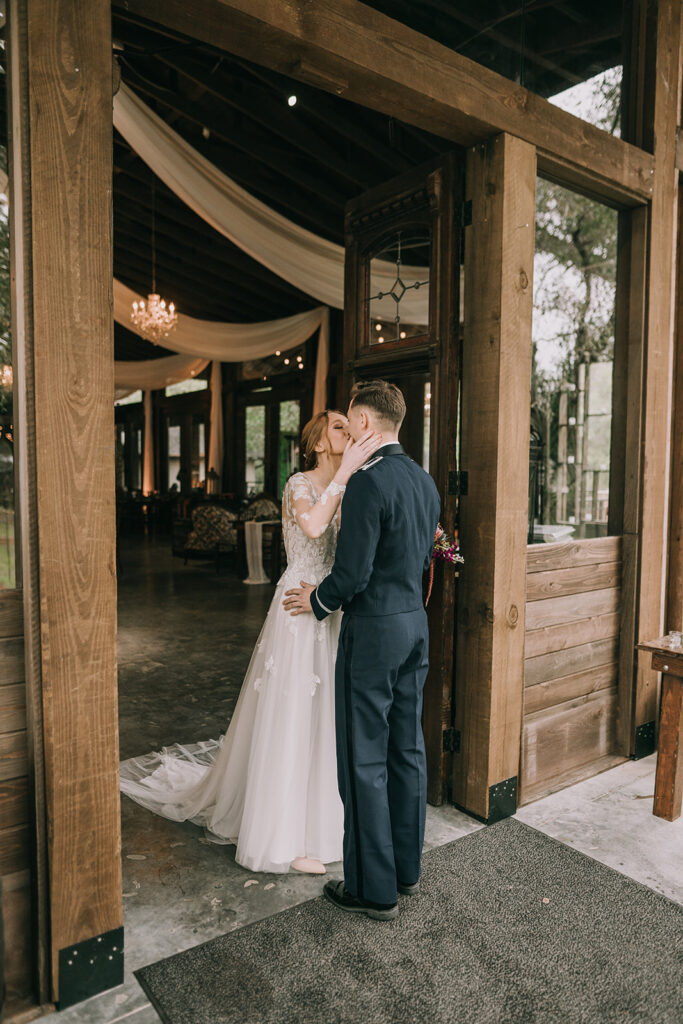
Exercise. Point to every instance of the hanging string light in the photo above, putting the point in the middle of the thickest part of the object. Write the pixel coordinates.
(154, 319)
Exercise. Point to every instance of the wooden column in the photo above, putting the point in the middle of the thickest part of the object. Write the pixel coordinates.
(61, 184)
(499, 253)
(655, 464)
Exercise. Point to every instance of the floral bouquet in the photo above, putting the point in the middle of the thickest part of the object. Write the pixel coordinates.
(446, 550)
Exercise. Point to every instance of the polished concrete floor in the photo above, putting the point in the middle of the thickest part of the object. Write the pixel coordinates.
(185, 639)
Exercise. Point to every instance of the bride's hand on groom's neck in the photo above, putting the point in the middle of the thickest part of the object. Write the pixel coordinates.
(356, 454)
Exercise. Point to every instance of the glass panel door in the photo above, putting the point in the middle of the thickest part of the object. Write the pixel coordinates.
(255, 449)
(288, 451)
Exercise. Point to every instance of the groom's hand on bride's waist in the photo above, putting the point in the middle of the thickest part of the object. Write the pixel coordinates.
(298, 600)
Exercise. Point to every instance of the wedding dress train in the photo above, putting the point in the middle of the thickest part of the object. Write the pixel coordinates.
(270, 783)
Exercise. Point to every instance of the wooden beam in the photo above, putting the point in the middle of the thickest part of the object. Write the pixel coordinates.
(489, 675)
(65, 331)
(349, 49)
(655, 466)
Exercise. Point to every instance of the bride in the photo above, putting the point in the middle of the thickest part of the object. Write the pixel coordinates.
(269, 784)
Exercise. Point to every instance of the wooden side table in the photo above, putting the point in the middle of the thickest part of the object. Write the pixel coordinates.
(668, 660)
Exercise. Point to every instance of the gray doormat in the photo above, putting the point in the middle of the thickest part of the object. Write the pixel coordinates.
(477, 945)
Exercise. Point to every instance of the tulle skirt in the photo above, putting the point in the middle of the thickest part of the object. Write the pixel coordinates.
(269, 784)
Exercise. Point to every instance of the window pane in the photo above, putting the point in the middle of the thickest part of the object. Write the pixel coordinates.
(598, 100)
(184, 386)
(573, 363)
(290, 416)
(255, 448)
(198, 455)
(427, 425)
(131, 399)
(398, 299)
(173, 456)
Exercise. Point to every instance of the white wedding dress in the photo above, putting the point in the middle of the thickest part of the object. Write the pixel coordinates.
(270, 783)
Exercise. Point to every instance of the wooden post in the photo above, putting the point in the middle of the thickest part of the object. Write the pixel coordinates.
(655, 448)
(499, 254)
(62, 168)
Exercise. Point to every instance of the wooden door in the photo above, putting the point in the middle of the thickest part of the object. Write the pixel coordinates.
(401, 324)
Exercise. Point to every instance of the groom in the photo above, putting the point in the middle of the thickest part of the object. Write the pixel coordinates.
(389, 515)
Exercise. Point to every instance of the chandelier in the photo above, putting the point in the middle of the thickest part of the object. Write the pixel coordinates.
(154, 319)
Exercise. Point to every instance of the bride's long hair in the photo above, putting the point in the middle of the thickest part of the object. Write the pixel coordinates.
(314, 432)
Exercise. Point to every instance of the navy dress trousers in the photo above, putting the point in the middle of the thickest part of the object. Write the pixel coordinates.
(389, 515)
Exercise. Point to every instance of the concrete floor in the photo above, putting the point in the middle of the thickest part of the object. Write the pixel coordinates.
(185, 639)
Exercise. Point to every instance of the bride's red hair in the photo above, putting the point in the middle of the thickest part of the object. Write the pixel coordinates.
(314, 432)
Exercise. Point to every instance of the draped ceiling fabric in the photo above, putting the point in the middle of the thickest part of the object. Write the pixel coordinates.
(227, 343)
(309, 262)
(230, 343)
(153, 374)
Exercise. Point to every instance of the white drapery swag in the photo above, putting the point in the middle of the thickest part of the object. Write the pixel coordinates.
(227, 343)
(230, 343)
(309, 262)
(153, 374)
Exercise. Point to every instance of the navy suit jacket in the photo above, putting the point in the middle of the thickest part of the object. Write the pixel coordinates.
(389, 515)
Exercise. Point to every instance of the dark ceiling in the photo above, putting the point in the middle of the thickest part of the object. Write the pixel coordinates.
(308, 160)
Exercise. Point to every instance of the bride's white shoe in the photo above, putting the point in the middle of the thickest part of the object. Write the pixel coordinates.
(308, 866)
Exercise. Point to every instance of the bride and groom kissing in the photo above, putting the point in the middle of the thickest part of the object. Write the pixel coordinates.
(324, 757)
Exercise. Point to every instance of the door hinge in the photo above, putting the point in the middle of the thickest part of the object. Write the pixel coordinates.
(451, 741)
(457, 482)
(464, 214)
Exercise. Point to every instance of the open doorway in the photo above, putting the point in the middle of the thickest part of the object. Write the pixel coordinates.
(188, 624)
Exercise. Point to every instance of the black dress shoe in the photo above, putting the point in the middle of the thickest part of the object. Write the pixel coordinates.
(408, 890)
(337, 894)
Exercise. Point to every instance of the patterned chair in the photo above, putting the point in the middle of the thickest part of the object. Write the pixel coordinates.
(213, 533)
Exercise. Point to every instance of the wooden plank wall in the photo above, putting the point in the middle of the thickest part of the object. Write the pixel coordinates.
(15, 815)
(571, 663)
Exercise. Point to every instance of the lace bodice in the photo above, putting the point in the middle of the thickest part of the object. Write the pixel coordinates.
(309, 558)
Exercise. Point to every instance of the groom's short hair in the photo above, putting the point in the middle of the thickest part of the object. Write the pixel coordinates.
(383, 399)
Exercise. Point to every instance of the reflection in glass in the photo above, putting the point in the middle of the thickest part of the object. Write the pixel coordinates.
(290, 418)
(255, 462)
(398, 300)
(572, 370)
